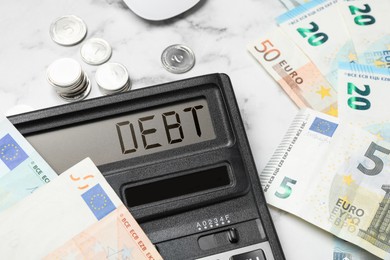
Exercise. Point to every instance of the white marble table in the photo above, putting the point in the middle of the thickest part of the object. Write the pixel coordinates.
(216, 30)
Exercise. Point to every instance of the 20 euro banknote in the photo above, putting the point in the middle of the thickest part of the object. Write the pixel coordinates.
(367, 23)
(318, 28)
(291, 4)
(363, 102)
(334, 176)
(77, 215)
(22, 169)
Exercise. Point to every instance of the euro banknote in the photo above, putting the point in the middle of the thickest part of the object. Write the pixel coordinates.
(294, 72)
(315, 243)
(367, 22)
(22, 169)
(335, 176)
(116, 236)
(291, 4)
(363, 92)
(379, 59)
(318, 28)
(77, 215)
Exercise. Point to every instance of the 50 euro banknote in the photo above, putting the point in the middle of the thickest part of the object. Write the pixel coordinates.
(116, 236)
(294, 72)
(334, 176)
(77, 216)
(22, 169)
(363, 98)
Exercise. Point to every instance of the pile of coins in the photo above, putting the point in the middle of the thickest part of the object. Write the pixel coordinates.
(72, 84)
(112, 78)
(66, 75)
(68, 79)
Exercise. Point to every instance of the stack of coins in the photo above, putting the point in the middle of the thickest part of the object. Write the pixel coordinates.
(112, 78)
(68, 79)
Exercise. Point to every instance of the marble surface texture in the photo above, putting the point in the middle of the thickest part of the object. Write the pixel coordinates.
(216, 30)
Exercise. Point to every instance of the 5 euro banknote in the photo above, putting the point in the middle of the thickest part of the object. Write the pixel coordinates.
(334, 176)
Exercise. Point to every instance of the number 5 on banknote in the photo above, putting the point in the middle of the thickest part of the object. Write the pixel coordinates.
(285, 188)
(370, 154)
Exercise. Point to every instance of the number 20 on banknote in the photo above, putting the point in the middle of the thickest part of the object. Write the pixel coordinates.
(363, 102)
(362, 16)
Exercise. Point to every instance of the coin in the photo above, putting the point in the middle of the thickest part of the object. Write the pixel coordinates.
(64, 72)
(80, 96)
(178, 58)
(112, 78)
(68, 79)
(95, 51)
(68, 30)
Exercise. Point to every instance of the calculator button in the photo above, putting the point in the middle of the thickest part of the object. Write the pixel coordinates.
(219, 239)
(252, 255)
(232, 235)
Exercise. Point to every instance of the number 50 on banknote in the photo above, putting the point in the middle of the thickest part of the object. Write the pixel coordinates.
(294, 72)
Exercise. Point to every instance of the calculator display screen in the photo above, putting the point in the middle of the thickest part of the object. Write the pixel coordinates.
(128, 135)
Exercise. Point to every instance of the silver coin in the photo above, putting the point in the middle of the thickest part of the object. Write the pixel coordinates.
(79, 96)
(70, 88)
(112, 77)
(95, 51)
(68, 30)
(79, 87)
(178, 58)
(109, 92)
(64, 72)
